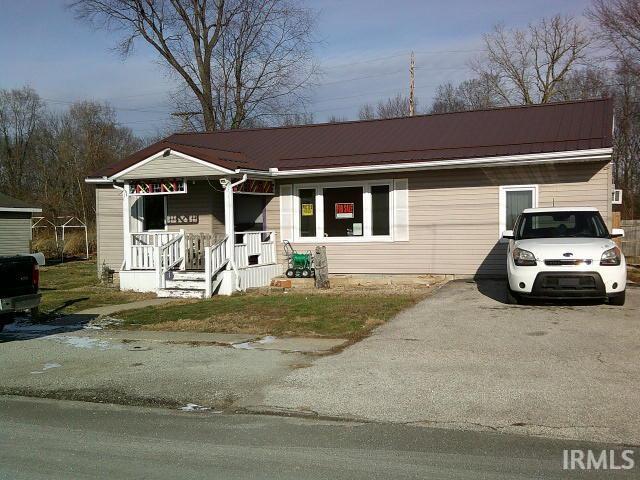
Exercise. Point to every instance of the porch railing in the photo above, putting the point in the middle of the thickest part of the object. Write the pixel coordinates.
(143, 247)
(255, 248)
(170, 250)
(168, 256)
(216, 259)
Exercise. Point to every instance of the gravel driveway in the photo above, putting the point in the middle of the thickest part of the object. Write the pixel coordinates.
(464, 359)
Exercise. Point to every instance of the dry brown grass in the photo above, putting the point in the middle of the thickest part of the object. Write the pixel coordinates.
(74, 246)
(351, 314)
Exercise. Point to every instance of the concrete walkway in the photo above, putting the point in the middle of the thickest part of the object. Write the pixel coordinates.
(111, 309)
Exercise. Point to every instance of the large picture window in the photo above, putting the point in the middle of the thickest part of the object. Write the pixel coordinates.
(344, 211)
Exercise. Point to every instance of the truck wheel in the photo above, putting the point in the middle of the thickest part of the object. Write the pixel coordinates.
(512, 298)
(618, 300)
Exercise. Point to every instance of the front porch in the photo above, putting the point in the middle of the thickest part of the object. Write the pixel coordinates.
(185, 238)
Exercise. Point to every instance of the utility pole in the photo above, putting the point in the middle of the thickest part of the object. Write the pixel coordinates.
(412, 104)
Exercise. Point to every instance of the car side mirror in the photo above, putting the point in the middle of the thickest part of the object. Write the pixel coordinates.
(507, 234)
(617, 233)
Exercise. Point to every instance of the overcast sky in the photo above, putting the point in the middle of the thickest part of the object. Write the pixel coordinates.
(363, 50)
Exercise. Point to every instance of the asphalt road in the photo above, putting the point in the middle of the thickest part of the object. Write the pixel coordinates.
(63, 439)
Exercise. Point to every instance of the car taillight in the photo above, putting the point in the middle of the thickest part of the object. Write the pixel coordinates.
(35, 276)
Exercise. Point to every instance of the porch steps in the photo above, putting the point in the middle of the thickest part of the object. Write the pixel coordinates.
(181, 293)
(187, 284)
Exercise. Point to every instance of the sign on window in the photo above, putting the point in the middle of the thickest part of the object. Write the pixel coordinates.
(307, 209)
(344, 210)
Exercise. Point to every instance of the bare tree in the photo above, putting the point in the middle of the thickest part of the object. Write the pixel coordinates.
(585, 84)
(472, 94)
(526, 66)
(297, 119)
(337, 119)
(392, 107)
(367, 112)
(20, 114)
(397, 106)
(72, 145)
(619, 22)
(240, 59)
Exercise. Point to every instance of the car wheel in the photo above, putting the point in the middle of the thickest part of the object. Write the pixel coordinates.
(512, 298)
(618, 300)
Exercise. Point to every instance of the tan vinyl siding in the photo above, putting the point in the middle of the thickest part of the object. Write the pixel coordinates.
(15, 233)
(109, 228)
(454, 217)
(200, 210)
(170, 166)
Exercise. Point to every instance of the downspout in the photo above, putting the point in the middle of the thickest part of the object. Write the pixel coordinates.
(126, 225)
(229, 225)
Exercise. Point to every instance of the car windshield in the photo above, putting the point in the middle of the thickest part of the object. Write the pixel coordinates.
(560, 225)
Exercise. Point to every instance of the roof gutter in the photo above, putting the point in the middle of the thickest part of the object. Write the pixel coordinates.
(97, 180)
(510, 160)
(21, 209)
(570, 156)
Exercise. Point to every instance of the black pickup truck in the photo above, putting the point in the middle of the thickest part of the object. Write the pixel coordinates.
(19, 280)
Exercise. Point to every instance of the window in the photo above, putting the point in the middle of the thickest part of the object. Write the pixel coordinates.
(380, 210)
(513, 200)
(307, 212)
(154, 212)
(344, 211)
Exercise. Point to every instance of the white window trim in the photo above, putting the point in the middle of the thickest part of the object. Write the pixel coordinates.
(502, 223)
(366, 212)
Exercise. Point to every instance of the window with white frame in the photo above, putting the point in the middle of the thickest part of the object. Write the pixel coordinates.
(344, 211)
(513, 200)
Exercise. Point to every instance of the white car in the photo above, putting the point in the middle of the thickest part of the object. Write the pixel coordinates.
(564, 253)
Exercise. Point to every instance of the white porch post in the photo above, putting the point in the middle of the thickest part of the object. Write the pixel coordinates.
(126, 226)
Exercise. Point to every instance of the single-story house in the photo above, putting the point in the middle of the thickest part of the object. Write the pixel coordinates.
(197, 212)
(15, 226)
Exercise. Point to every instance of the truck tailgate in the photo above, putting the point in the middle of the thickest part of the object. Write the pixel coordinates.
(16, 276)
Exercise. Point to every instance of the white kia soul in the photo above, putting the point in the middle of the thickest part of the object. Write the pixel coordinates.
(564, 253)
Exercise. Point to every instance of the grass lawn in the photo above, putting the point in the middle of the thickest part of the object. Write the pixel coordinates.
(74, 286)
(284, 314)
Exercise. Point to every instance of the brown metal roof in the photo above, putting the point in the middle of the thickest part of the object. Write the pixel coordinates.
(7, 202)
(480, 133)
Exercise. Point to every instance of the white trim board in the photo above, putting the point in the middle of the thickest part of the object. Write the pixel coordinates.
(589, 155)
(572, 156)
(21, 209)
(366, 212)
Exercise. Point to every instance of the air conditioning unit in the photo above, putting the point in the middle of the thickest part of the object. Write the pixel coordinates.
(616, 198)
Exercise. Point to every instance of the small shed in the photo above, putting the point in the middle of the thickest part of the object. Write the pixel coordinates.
(15, 225)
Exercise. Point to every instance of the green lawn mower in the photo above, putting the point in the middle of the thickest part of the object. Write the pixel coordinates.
(300, 265)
